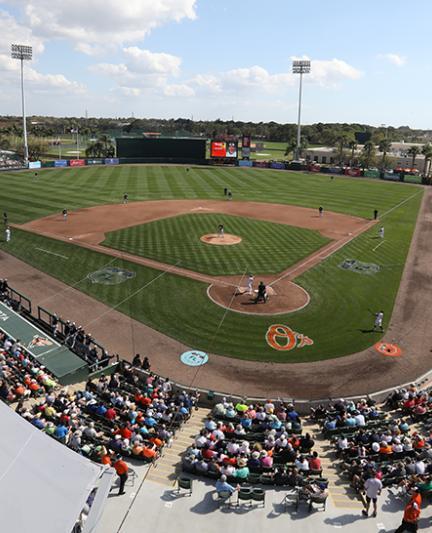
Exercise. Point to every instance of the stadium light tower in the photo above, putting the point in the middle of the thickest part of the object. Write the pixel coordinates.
(301, 67)
(23, 53)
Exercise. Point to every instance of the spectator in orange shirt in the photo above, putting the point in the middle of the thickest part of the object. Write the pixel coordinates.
(411, 513)
(122, 471)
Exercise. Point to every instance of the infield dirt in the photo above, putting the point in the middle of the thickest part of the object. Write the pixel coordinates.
(87, 227)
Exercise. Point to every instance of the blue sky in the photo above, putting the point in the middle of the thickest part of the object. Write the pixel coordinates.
(221, 59)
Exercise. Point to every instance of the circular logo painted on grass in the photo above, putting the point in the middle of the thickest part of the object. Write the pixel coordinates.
(110, 276)
(386, 348)
(194, 358)
(283, 338)
(359, 267)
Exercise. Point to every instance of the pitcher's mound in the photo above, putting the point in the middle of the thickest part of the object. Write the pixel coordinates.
(215, 238)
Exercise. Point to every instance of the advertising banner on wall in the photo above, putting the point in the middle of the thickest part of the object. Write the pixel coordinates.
(261, 164)
(335, 170)
(371, 174)
(112, 161)
(391, 176)
(353, 172)
(35, 164)
(77, 162)
(277, 165)
(94, 161)
(61, 163)
(245, 163)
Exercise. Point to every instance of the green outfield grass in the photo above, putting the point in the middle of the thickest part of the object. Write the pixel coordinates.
(339, 317)
(266, 247)
(25, 197)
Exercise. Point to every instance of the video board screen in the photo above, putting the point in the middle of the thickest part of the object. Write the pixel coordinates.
(224, 149)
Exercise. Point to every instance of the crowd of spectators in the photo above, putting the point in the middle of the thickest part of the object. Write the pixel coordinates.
(386, 445)
(21, 376)
(130, 413)
(250, 443)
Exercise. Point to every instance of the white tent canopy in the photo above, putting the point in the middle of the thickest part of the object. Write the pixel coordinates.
(43, 484)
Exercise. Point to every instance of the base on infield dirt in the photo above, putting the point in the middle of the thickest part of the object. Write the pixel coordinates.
(221, 240)
(283, 298)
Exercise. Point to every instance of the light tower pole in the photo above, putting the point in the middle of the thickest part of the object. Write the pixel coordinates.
(300, 67)
(23, 53)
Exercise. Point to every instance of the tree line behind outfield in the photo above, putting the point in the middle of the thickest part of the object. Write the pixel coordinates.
(326, 134)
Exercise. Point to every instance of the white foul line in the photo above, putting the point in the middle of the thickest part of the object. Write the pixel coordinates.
(52, 253)
(401, 203)
(378, 245)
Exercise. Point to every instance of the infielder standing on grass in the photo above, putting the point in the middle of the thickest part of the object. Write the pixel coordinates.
(221, 230)
(125, 198)
(5, 218)
(65, 214)
(379, 317)
(381, 232)
(7, 234)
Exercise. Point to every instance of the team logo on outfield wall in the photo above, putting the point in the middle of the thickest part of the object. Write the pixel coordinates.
(358, 267)
(110, 276)
(284, 339)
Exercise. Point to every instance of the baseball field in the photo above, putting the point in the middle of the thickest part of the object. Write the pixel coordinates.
(163, 270)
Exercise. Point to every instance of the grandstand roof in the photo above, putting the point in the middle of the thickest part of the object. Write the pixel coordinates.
(41, 481)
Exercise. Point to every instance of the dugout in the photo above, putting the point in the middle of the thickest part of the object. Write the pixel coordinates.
(169, 150)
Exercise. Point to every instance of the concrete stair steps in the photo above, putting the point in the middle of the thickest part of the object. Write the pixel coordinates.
(168, 467)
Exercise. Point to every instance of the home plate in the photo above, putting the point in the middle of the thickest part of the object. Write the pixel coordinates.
(245, 290)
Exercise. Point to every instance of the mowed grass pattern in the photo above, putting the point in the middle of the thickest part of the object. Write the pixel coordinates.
(338, 318)
(266, 247)
(25, 197)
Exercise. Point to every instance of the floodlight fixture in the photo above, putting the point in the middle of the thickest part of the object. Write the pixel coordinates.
(23, 53)
(300, 66)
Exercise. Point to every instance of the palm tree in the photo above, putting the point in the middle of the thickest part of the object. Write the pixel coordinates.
(352, 145)
(342, 142)
(427, 152)
(291, 147)
(368, 154)
(95, 149)
(384, 146)
(413, 152)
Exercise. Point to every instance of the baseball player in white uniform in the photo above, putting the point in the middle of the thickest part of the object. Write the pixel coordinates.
(250, 284)
(221, 230)
(381, 232)
(379, 317)
(7, 234)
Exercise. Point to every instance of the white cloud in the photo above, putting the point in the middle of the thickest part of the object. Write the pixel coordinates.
(13, 32)
(143, 69)
(99, 24)
(9, 69)
(330, 72)
(178, 90)
(147, 62)
(326, 73)
(394, 59)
